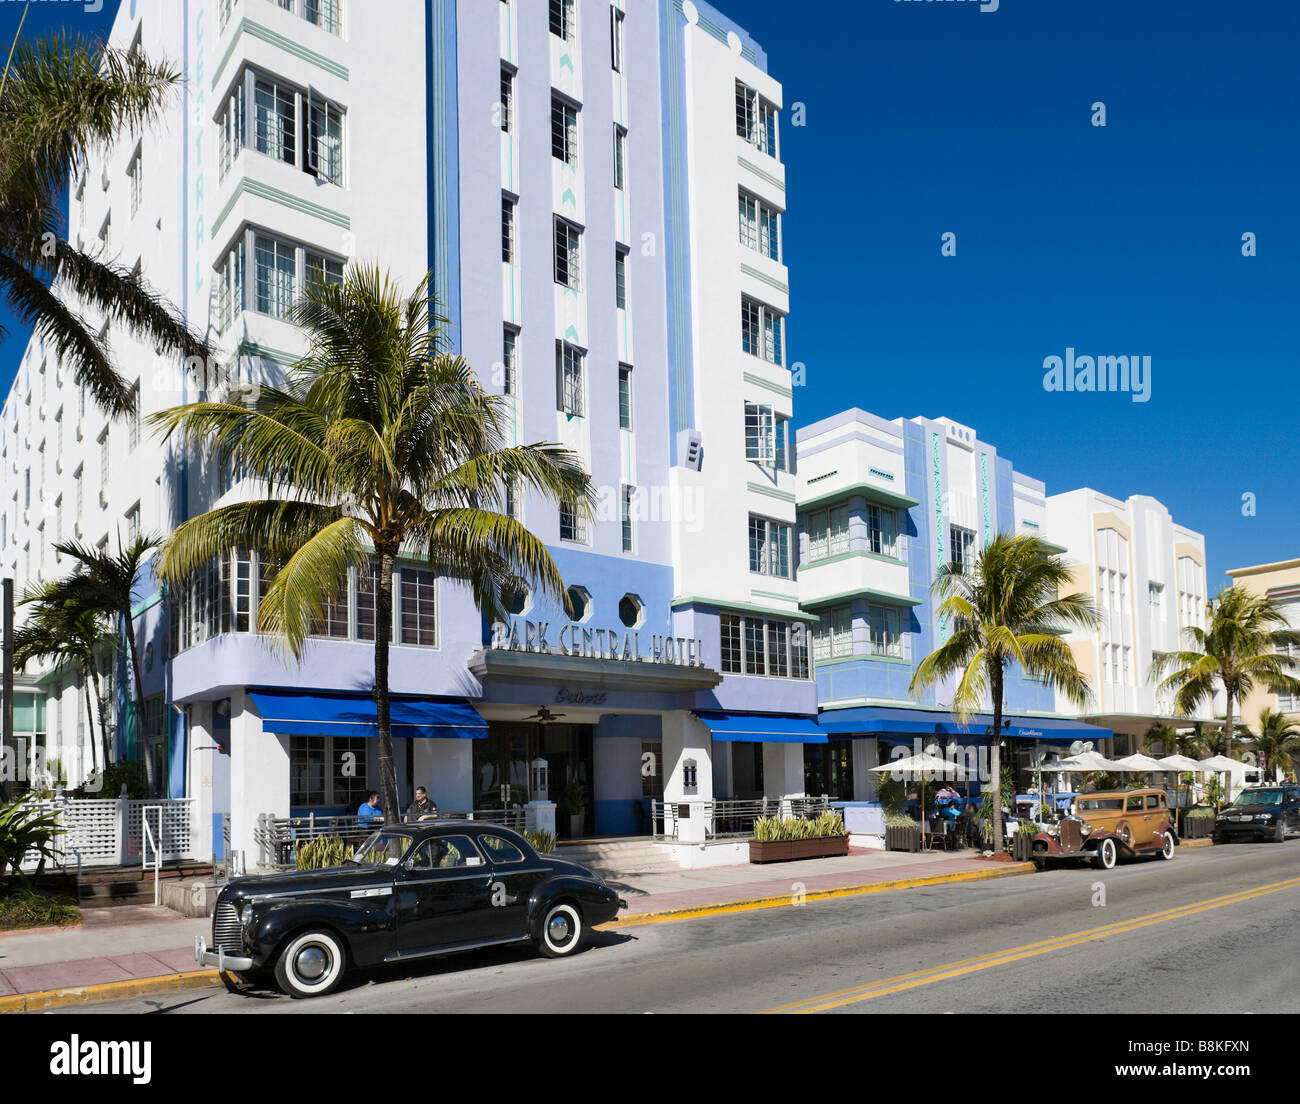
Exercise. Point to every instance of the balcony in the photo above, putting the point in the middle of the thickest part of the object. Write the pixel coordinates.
(835, 580)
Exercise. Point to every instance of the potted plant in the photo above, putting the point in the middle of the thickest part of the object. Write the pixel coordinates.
(778, 839)
(573, 804)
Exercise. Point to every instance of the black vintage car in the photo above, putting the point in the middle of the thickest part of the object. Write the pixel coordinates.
(1261, 812)
(411, 892)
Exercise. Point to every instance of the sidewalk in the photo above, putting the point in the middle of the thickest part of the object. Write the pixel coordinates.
(127, 951)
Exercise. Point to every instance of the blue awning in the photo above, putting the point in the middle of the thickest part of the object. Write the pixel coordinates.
(298, 714)
(762, 728)
(872, 720)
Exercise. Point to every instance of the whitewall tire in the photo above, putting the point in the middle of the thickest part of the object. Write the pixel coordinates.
(1167, 848)
(1106, 855)
(311, 964)
(562, 931)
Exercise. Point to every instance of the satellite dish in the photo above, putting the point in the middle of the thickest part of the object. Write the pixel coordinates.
(1088, 746)
(1076, 747)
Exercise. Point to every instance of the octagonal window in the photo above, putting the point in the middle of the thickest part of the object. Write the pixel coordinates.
(631, 611)
(580, 601)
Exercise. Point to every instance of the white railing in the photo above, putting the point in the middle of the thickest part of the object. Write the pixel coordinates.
(735, 817)
(148, 841)
(111, 832)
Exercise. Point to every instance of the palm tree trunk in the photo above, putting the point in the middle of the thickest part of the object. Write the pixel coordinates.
(106, 751)
(90, 718)
(995, 757)
(383, 627)
(141, 718)
(1227, 745)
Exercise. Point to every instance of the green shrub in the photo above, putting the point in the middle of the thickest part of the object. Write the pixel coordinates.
(900, 820)
(323, 853)
(543, 842)
(24, 908)
(1028, 828)
(1200, 812)
(780, 829)
(24, 827)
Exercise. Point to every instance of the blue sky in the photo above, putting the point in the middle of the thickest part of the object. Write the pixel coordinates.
(925, 118)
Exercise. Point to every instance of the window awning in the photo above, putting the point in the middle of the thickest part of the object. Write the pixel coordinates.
(761, 728)
(871, 720)
(307, 714)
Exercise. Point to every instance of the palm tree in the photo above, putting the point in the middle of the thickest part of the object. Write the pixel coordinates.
(62, 99)
(379, 442)
(68, 634)
(1006, 609)
(1241, 649)
(1277, 742)
(105, 581)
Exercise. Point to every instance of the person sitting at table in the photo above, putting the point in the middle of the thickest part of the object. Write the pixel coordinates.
(946, 795)
(369, 811)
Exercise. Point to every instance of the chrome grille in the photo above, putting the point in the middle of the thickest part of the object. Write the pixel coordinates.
(226, 932)
(1071, 836)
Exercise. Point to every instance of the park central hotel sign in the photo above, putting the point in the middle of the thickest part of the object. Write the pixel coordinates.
(572, 639)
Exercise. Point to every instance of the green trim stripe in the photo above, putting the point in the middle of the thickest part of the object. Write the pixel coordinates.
(744, 607)
(883, 597)
(259, 190)
(754, 274)
(776, 388)
(265, 352)
(775, 595)
(858, 553)
(771, 492)
(775, 181)
(256, 30)
(870, 491)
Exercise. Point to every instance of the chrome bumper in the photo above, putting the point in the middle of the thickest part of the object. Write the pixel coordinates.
(218, 958)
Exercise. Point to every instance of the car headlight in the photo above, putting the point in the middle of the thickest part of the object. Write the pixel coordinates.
(1264, 816)
(1085, 828)
(246, 916)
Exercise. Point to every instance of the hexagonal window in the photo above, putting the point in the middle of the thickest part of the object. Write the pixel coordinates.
(580, 601)
(517, 599)
(631, 611)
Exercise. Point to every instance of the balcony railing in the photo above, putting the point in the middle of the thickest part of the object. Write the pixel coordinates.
(734, 819)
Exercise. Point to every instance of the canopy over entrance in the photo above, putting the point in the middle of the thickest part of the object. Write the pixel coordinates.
(318, 714)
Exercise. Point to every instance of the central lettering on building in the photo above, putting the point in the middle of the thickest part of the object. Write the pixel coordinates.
(578, 640)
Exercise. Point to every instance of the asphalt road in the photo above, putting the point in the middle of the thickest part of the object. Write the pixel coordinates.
(1204, 933)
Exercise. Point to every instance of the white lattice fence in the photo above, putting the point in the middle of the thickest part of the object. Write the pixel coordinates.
(171, 836)
(90, 829)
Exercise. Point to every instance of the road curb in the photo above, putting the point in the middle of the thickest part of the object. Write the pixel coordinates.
(1202, 841)
(109, 990)
(1003, 870)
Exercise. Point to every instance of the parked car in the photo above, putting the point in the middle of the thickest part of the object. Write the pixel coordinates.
(411, 891)
(1261, 812)
(1103, 826)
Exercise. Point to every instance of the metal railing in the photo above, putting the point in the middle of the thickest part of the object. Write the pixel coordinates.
(734, 818)
(149, 840)
(278, 838)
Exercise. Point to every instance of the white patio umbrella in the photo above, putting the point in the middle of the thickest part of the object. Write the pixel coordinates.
(1180, 764)
(1139, 762)
(1221, 764)
(921, 765)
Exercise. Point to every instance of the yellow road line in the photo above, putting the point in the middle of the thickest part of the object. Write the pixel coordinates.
(109, 990)
(950, 970)
(1004, 870)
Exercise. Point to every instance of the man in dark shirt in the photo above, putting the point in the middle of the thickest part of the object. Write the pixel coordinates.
(421, 808)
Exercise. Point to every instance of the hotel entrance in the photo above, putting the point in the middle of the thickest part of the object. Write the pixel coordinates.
(828, 769)
(502, 765)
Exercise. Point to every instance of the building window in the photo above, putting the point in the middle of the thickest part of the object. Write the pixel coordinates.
(230, 129)
(230, 288)
(333, 620)
(133, 419)
(568, 379)
(828, 533)
(620, 279)
(759, 226)
(629, 498)
(274, 110)
(512, 499)
(416, 612)
(616, 39)
(755, 119)
(507, 100)
(509, 360)
(319, 268)
(620, 155)
(564, 131)
(882, 530)
(133, 522)
(323, 157)
(573, 526)
(343, 784)
(883, 628)
(833, 636)
(276, 275)
(133, 174)
(103, 464)
(761, 646)
(769, 547)
(568, 257)
(961, 548)
(325, 14)
(624, 397)
(507, 230)
(760, 331)
(562, 25)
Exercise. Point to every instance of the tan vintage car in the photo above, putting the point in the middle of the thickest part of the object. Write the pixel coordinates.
(1103, 826)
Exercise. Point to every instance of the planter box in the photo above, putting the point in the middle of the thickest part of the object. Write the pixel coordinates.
(1197, 827)
(903, 838)
(1022, 847)
(787, 850)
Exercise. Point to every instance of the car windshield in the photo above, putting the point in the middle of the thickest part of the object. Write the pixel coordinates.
(382, 849)
(1259, 797)
(1096, 804)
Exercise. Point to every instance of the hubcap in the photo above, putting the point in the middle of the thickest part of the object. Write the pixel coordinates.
(311, 963)
(560, 929)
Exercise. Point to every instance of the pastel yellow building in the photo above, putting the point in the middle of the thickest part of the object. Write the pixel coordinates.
(1281, 582)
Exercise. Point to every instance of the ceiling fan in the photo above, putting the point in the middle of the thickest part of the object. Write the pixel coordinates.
(544, 716)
